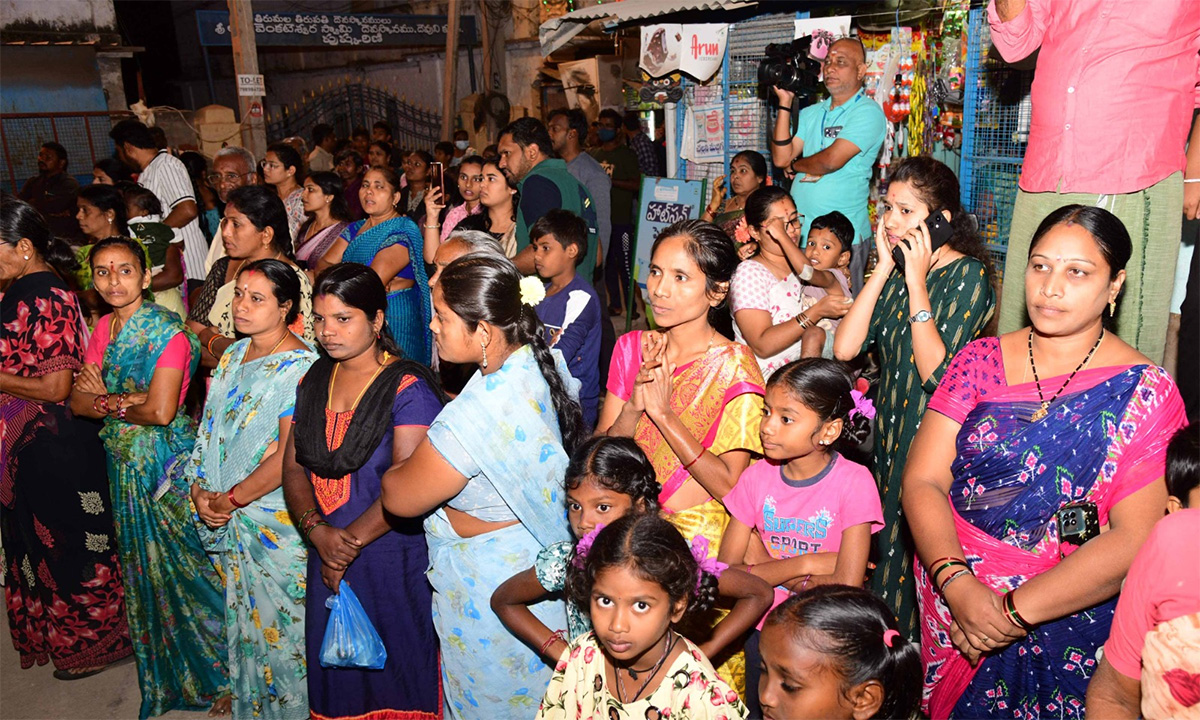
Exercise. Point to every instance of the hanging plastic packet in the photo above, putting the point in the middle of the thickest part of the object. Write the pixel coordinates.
(350, 638)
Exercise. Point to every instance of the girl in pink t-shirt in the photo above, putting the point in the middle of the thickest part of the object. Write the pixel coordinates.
(814, 510)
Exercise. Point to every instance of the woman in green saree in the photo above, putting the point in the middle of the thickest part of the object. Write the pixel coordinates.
(135, 374)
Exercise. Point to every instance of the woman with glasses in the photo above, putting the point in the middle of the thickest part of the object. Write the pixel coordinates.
(412, 195)
(771, 313)
(470, 177)
(284, 169)
(391, 245)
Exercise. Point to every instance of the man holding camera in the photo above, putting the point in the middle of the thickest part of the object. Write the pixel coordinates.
(833, 151)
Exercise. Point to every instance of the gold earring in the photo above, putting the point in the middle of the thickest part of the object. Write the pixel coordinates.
(1112, 308)
(484, 349)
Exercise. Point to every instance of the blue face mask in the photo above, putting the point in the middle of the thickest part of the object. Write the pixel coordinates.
(606, 134)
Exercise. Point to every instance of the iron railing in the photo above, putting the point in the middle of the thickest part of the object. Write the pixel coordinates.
(349, 105)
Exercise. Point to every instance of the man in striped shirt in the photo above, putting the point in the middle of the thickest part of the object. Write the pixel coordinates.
(163, 174)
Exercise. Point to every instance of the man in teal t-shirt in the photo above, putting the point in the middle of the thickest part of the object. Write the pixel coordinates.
(545, 184)
(834, 149)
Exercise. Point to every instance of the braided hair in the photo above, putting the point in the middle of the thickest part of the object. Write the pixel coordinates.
(654, 550)
(617, 464)
(824, 387)
(481, 287)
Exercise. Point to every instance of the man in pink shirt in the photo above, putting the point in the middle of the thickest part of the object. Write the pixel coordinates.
(1112, 98)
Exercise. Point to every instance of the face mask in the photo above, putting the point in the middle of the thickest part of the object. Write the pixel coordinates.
(606, 135)
(461, 144)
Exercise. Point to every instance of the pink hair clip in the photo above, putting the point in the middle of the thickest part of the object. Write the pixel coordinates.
(889, 636)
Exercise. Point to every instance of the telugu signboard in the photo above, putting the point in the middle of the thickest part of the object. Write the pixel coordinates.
(664, 201)
(335, 29)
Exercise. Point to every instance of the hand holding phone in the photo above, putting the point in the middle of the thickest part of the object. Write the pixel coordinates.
(940, 233)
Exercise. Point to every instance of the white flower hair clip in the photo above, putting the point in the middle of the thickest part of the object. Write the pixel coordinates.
(532, 290)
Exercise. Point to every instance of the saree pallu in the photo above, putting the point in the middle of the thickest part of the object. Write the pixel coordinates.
(258, 554)
(62, 580)
(502, 433)
(409, 311)
(173, 598)
(719, 399)
(316, 246)
(1100, 443)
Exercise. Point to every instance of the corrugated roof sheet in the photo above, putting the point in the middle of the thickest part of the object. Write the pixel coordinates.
(556, 32)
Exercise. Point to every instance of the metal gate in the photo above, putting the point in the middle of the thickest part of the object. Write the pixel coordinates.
(349, 105)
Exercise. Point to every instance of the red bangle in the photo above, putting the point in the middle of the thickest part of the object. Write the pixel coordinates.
(693, 462)
(233, 501)
(556, 635)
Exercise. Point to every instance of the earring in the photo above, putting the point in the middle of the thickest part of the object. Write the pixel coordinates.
(1112, 308)
(26, 257)
(484, 349)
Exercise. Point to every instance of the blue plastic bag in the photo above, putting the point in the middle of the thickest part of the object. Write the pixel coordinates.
(350, 638)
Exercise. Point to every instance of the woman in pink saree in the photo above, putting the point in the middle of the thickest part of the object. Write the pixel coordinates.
(691, 398)
(1034, 479)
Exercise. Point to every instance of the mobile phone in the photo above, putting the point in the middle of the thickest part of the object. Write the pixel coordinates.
(437, 178)
(1077, 523)
(939, 234)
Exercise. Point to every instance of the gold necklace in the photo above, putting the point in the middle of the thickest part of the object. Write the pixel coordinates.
(361, 393)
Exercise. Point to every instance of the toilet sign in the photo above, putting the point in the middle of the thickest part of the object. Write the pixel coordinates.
(251, 86)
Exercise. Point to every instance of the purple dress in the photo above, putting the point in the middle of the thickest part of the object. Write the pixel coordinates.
(389, 579)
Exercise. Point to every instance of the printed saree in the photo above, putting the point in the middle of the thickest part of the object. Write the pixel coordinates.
(502, 433)
(173, 598)
(410, 310)
(1101, 442)
(258, 554)
(62, 580)
(719, 399)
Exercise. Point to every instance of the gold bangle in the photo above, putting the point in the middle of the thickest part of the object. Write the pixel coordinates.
(432, 227)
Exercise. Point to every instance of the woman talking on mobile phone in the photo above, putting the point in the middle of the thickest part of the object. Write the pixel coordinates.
(916, 320)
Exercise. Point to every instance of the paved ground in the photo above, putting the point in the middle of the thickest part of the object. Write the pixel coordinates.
(34, 694)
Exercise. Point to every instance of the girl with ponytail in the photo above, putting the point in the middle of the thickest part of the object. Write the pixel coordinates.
(638, 578)
(814, 510)
(488, 479)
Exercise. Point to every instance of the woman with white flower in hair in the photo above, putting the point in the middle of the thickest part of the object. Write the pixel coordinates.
(488, 478)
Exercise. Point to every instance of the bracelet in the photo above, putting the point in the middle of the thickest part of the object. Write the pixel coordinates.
(807, 273)
(233, 500)
(432, 227)
(1191, 180)
(209, 344)
(781, 143)
(104, 404)
(953, 562)
(304, 516)
(952, 578)
(804, 584)
(556, 635)
(308, 533)
(96, 405)
(122, 409)
(1010, 610)
(803, 321)
(312, 523)
(783, 108)
(693, 462)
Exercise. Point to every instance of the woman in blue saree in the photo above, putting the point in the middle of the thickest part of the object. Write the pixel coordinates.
(491, 472)
(135, 375)
(392, 246)
(235, 472)
(1014, 600)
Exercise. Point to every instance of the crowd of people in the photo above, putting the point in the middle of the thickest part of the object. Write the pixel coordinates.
(819, 487)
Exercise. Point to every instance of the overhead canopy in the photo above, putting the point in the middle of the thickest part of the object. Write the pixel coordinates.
(556, 32)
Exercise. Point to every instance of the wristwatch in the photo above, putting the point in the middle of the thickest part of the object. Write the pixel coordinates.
(921, 316)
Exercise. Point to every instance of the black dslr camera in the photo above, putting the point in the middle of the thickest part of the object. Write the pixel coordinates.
(789, 66)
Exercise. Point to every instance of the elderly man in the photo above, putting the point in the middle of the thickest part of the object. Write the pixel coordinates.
(233, 167)
(545, 184)
(834, 149)
(1112, 104)
(164, 175)
(52, 191)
